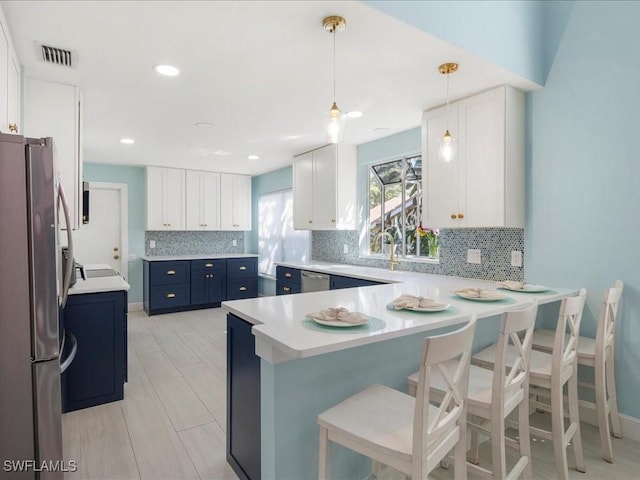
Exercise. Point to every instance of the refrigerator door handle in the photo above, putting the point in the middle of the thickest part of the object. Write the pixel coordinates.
(74, 349)
(67, 278)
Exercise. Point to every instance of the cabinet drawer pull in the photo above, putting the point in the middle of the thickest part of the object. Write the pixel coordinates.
(288, 275)
(209, 265)
(171, 295)
(243, 289)
(243, 268)
(13, 127)
(171, 272)
(286, 289)
(461, 215)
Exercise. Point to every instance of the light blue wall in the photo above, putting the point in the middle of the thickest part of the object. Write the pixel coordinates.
(520, 36)
(134, 177)
(275, 181)
(582, 176)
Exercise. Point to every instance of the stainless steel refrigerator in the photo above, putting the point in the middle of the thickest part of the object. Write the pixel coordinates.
(31, 292)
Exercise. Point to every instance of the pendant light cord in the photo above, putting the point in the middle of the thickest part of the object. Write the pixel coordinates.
(334, 63)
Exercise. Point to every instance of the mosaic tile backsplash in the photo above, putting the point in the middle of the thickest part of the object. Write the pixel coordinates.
(496, 245)
(193, 243)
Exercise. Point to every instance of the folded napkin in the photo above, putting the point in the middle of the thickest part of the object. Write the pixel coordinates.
(512, 285)
(479, 293)
(411, 301)
(339, 314)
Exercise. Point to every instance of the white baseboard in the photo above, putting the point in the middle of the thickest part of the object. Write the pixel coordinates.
(136, 307)
(630, 425)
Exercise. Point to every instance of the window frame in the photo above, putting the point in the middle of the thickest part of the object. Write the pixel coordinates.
(365, 250)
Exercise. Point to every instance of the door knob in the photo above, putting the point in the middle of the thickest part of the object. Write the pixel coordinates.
(115, 249)
(116, 257)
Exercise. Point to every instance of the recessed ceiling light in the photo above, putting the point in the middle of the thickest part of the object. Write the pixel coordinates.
(381, 129)
(204, 124)
(167, 70)
(221, 152)
(291, 137)
(253, 157)
(127, 141)
(354, 114)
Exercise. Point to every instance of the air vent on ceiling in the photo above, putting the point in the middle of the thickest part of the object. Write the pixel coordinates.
(57, 56)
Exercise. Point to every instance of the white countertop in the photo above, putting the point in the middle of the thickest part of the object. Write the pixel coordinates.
(281, 336)
(165, 258)
(98, 284)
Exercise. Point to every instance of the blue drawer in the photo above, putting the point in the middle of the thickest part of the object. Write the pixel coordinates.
(288, 275)
(217, 265)
(286, 288)
(243, 288)
(242, 268)
(167, 273)
(169, 296)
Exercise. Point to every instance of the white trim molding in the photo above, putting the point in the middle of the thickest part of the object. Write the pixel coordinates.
(630, 425)
(135, 307)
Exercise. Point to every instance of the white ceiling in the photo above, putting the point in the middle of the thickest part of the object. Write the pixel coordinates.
(258, 71)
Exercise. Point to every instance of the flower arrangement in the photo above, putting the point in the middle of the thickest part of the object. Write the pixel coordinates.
(432, 237)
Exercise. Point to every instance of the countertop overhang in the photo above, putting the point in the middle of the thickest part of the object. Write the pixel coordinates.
(281, 336)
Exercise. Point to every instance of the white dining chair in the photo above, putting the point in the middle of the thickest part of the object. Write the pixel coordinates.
(494, 394)
(598, 353)
(549, 373)
(406, 433)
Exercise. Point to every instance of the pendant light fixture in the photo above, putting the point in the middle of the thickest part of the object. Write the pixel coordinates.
(335, 119)
(447, 145)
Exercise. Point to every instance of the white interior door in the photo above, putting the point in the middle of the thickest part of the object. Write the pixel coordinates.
(104, 239)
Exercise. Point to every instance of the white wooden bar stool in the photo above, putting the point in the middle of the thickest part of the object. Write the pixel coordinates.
(547, 376)
(597, 353)
(494, 394)
(403, 432)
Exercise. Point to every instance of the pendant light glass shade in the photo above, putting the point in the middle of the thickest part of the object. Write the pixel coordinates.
(447, 147)
(334, 124)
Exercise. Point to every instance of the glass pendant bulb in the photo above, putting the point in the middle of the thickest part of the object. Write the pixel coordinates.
(447, 147)
(334, 124)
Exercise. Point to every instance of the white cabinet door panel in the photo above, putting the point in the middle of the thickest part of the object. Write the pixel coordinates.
(303, 192)
(175, 198)
(324, 188)
(210, 202)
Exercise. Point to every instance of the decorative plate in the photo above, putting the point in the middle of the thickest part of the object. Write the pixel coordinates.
(490, 296)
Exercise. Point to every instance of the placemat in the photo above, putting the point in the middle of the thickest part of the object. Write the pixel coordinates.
(441, 313)
(372, 325)
(504, 301)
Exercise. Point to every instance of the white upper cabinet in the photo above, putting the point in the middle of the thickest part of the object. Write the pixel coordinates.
(483, 185)
(165, 199)
(235, 202)
(54, 110)
(203, 200)
(324, 189)
(10, 94)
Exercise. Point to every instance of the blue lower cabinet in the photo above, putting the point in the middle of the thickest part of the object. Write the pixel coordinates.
(207, 288)
(243, 400)
(241, 289)
(284, 288)
(98, 372)
(288, 280)
(338, 282)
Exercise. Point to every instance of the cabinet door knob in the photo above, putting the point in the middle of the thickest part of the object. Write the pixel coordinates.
(171, 295)
(208, 265)
(333, 220)
(461, 215)
(243, 267)
(242, 289)
(286, 289)
(13, 127)
(116, 257)
(310, 221)
(454, 216)
(171, 272)
(288, 275)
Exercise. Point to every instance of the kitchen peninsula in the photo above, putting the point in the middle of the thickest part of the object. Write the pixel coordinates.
(299, 369)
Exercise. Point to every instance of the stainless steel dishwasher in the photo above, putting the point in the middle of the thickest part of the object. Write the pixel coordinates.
(315, 282)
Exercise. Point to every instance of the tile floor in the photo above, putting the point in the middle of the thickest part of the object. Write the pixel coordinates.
(171, 424)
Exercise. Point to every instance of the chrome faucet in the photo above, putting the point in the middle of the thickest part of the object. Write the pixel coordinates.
(392, 258)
